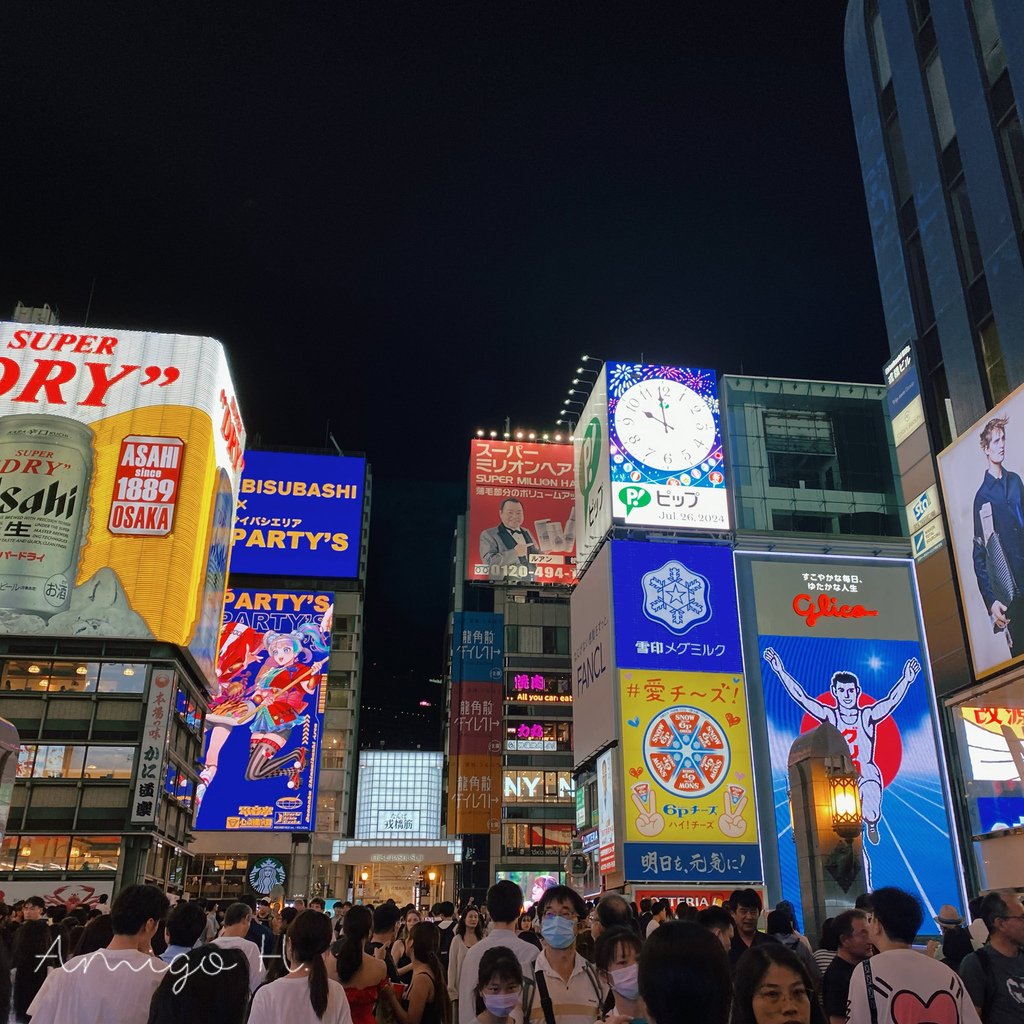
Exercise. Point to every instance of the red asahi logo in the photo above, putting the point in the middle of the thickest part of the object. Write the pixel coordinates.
(828, 608)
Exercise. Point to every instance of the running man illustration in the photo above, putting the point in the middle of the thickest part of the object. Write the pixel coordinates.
(858, 725)
(272, 704)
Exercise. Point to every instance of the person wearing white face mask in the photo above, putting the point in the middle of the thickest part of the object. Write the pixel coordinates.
(617, 958)
(499, 988)
(568, 989)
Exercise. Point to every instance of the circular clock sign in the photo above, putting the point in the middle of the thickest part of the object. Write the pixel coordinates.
(687, 752)
(664, 424)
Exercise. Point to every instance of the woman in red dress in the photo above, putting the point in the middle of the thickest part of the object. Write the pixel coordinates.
(362, 975)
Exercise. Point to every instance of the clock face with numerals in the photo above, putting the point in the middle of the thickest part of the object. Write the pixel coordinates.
(664, 424)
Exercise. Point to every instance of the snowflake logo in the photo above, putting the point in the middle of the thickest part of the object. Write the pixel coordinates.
(676, 597)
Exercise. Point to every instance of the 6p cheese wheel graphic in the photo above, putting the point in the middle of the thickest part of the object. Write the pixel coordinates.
(687, 752)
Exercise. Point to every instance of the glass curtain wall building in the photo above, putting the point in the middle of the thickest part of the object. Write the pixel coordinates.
(935, 88)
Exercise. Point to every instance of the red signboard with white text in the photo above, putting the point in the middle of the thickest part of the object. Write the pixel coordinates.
(522, 513)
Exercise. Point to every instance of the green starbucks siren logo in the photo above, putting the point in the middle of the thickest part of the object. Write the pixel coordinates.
(265, 874)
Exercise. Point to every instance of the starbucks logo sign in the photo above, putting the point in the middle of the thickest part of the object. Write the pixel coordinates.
(265, 873)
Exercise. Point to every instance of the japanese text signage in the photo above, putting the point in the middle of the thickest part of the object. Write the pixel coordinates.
(983, 494)
(538, 688)
(593, 658)
(148, 778)
(839, 641)
(906, 411)
(299, 515)
(478, 647)
(592, 482)
(120, 457)
(675, 607)
(665, 447)
(606, 788)
(261, 750)
(522, 515)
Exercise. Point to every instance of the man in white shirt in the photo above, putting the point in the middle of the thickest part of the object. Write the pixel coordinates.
(504, 901)
(899, 984)
(568, 990)
(237, 919)
(114, 985)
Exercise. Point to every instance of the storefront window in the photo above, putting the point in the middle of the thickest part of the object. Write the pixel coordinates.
(43, 853)
(116, 677)
(51, 676)
(8, 851)
(990, 739)
(110, 762)
(94, 853)
(58, 761)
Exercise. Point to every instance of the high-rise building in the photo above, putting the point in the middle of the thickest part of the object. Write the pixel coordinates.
(936, 89)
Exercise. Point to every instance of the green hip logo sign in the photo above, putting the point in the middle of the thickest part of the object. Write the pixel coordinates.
(634, 497)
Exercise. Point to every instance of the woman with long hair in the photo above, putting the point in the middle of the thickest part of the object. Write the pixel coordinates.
(468, 932)
(306, 995)
(524, 929)
(617, 959)
(772, 986)
(276, 967)
(208, 985)
(426, 1000)
(400, 947)
(362, 975)
(97, 935)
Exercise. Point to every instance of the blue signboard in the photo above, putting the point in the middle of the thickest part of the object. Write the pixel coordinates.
(839, 642)
(675, 607)
(478, 647)
(261, 749)
(692, 862)
(299, 515)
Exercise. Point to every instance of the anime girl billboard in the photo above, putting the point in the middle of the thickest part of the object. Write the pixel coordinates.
(264, 727)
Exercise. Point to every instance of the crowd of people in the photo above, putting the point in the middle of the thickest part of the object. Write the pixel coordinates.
(563, 961)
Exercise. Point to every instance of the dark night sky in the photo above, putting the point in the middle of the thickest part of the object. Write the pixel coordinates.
(410, 220)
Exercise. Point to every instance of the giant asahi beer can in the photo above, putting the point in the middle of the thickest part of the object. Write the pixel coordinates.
(45, 470)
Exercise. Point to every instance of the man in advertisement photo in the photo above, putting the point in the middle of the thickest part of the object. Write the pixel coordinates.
(998, 551)
(506, 548)
(859, 725)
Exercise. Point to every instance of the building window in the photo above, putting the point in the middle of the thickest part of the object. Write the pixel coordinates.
(122, 678)
(94, 853)
(801, 450)
(1011, 139)
(991, 46)
(992, 357)
(51, 676)
(802, 522)
(966, 233)
(883, 70)
(43, 853)
(556, 639)
(941, 110)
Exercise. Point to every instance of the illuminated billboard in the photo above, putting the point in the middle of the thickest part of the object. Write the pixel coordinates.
(120, 455)
(984, 499)
(538, 688)
(299, 515)
(689, 808)
(522, 515)
(532, 883)
(399, 795)
(592, 482)
(261, 749)
(665, 447)
(839, 641)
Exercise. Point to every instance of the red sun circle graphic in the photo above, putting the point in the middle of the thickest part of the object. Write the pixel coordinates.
(888, 743)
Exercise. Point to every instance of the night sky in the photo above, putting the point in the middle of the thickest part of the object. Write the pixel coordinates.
(409, 221)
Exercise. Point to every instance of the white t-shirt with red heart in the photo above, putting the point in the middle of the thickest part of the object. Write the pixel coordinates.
(909, 988)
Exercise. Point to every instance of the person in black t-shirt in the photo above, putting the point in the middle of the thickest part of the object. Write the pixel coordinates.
(851, 928)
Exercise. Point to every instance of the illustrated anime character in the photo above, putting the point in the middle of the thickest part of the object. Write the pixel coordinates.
(859, 725)
(271, 703)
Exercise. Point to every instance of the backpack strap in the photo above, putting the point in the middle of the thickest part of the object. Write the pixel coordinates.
(589, 971)
(529, 988)
(985, 959)
(545, 998)
(869, 978)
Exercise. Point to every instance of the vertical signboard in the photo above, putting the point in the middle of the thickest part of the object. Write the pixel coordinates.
(593, 659)
(592, 486)
(474, 726)
(120, 455)
(689, 808)
(838, 640)
(261, 749)
(665, 446)
(906, 411)
(606, 861)
(984, 498)
(522, 515)
(146, 793)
